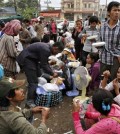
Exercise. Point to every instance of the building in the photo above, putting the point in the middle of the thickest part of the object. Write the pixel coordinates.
(48, 14)
(102, 12)
(7, 11)
(74, 9)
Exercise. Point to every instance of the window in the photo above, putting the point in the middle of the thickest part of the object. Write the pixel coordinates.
(89, 5)
(85, 5)
(72, 5)
(69, 5)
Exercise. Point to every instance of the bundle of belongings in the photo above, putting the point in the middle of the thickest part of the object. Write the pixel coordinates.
(49, 94)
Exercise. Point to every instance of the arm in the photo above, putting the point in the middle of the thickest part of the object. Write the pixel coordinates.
(20, 125)
(116, 86)
(82, 34)
(44, 62)
(77, 125)
(94, 75)
(106, 75)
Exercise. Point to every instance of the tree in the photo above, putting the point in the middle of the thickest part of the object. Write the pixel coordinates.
(1, 3)
(24, 7)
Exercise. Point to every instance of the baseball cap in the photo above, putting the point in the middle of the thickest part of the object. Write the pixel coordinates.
(7, 84)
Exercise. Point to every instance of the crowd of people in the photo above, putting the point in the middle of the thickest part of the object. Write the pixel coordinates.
(39, 51)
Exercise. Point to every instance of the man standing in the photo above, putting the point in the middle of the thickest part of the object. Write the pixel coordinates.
(110, 34)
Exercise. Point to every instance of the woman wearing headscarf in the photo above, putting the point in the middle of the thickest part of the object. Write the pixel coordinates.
(8, 51)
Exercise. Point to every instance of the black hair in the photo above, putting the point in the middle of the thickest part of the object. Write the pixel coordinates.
(2, 23)
(112, 4)
(26, 21)
(101, 96)
(59, 45)
(35, 39)
(46, 38)
(94, 56)
(93, 19)
(4, 102)
(78, 21)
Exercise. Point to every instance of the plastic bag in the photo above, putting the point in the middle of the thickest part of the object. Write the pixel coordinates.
(49, 87)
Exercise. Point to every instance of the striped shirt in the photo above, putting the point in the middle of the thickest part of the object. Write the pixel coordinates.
(8, 53)
(90, 32)
(111, 36)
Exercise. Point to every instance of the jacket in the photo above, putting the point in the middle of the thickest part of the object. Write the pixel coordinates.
(15, 123)
(94, 72)
(105, 125)
(36, 53)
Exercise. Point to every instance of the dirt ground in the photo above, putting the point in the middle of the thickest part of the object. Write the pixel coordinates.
(60, 119)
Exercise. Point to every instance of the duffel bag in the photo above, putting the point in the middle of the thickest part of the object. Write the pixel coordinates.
(49, 99)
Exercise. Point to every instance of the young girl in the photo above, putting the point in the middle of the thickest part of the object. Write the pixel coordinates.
(94, 72)
(109, 115)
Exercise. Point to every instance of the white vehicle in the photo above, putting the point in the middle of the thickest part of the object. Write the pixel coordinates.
(60, 25)
(71, 25)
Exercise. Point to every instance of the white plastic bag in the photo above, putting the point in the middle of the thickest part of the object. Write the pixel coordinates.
(50, 87)
(17, 68)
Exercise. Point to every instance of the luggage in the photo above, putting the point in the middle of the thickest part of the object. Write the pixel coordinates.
(49, 99)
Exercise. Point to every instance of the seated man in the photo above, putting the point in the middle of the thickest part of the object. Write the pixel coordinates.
(12, 118)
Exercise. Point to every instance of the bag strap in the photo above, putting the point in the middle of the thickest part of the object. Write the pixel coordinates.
(116, 119)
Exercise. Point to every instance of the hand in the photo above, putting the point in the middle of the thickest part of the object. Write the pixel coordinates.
(51, 77)
(37, 109)
(84, 35)
(76, 28)
(52, 62)
(116, 86)
(106, 74)
(76, 106)
(93, 40)
(55, 74)
(45, 114)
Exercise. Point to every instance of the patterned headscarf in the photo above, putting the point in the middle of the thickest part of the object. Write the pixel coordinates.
(12, 27)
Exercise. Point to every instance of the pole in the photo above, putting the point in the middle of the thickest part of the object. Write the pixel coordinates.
(106, 8)
(15, 5)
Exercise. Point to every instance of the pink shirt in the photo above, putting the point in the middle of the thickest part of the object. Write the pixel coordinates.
(53, 25)
(104, 126)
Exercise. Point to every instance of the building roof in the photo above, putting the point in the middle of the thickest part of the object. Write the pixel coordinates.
(97, 1)
(51, 11)
(8, 10)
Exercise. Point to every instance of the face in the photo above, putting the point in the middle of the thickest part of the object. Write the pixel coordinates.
(93, 25)
(118, 74)
(89, 60)
(114, 14)
(55, 50)
(78, 24)
(19, 95)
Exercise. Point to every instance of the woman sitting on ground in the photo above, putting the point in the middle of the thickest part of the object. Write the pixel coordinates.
(94, 72)
(109, 114)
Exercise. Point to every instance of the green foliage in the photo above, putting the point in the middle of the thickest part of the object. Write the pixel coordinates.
(1, 3)
(27, 8)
